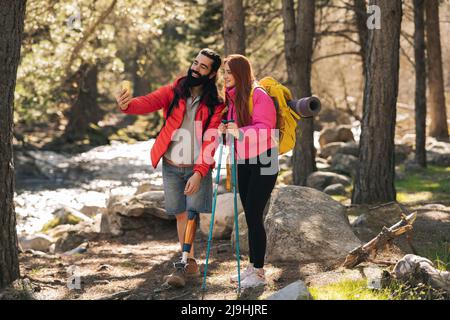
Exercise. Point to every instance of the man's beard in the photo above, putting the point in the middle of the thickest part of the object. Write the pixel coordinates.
(194, 82)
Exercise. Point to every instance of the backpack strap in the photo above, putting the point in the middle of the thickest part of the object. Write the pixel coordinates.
(255, 85)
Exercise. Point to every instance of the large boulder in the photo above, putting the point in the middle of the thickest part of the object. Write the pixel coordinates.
(223, 217)
(320, 180)
(306, 225)
(342, 133)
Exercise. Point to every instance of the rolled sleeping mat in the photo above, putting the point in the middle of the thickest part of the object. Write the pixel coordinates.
(306, 107)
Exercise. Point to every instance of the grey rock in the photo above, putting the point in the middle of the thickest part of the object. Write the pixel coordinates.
(295, 291)
(116, 224)
(223, 217)
(306, 225)
(350, 148)
(330, 149)
(146, 187)
(38, 242)
(320, 180)
(148, 203)
(341, 133)
(82, 248)
(345, 163)
(243, 231)
(335, 189)
(69, 241)
(92, 211)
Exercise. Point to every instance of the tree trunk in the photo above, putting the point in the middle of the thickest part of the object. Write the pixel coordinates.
(298, 42)
(233, 27)
(438, 113)
(361, 25)
(421, 105)
(12, 14)
(85, 110)
(374, 181)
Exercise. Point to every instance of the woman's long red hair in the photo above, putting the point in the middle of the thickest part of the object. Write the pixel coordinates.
(242, 72)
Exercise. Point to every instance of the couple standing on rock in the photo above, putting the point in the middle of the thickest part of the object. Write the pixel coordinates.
(193, 111)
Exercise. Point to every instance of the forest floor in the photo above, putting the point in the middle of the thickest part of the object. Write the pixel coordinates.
(133, 266)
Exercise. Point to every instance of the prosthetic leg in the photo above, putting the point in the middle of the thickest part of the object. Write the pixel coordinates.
(189, 236)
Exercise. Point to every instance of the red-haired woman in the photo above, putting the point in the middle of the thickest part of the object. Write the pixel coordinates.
(257, 156)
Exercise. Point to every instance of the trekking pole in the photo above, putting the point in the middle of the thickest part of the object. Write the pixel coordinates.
(236, 220)
(211, 224)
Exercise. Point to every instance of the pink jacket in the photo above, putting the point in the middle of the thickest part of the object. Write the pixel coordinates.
(258, 134)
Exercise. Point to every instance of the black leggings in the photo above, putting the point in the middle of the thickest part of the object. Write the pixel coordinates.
(255, 189)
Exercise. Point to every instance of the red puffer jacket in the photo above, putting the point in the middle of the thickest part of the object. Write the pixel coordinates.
(161, 99)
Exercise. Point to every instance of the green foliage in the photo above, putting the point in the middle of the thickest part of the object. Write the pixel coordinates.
(348, 290)
(53, 49)
(440, 255)
(414, 291)
(431, 183)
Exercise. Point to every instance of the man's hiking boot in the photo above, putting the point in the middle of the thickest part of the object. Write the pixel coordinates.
(182, 272)
(192, 269)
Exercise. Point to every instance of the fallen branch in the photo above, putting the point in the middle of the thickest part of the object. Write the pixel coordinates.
(370, 249)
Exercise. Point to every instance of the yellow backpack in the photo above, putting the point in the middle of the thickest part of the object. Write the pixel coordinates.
(286, 117)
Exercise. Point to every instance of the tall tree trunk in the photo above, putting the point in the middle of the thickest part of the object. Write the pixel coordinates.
(233, 27)
(421, 105)
(12, 14)
(360, 10)
(298, 43)
(374, 181)
(85, 110)
(438, 113)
